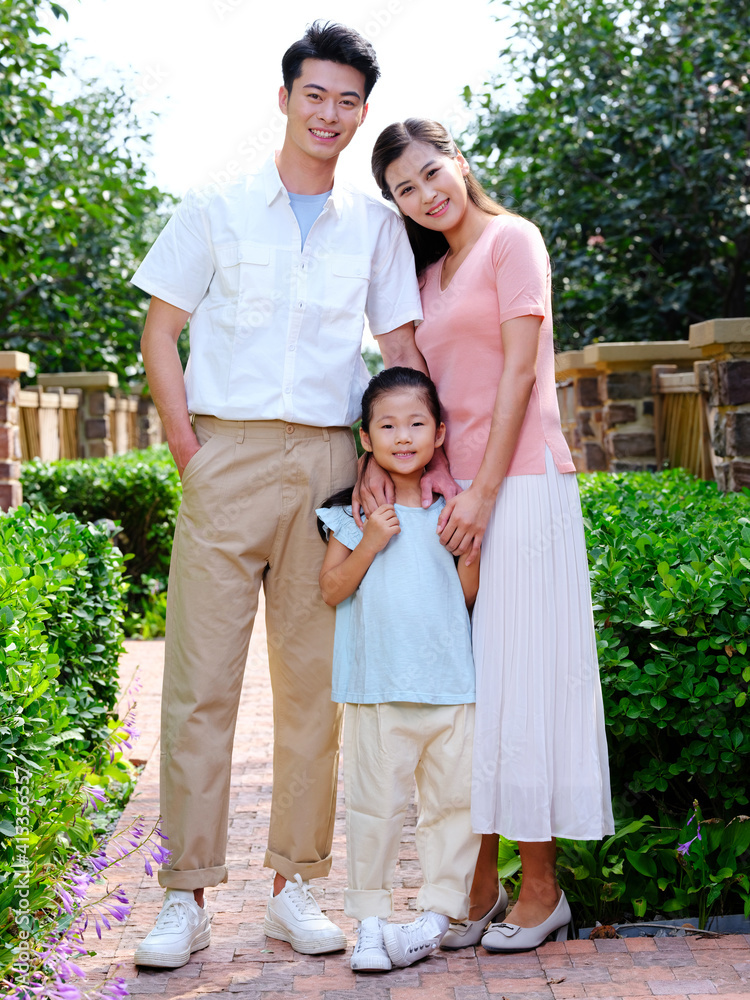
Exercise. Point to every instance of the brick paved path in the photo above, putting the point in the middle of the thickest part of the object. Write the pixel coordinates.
(242, 964)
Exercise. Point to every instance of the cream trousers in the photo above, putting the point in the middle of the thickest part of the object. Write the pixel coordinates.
(387, 747)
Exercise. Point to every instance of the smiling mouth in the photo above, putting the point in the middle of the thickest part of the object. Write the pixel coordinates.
(404, 454)
(440, 207)
(321, 134)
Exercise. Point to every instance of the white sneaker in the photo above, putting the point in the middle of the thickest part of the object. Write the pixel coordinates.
(294, 916)
(369, 953)
(408, 943)
(181, 928)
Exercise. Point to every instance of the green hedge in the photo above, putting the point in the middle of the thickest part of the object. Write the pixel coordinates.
(141, 491)
(670, 569)
(61, 610)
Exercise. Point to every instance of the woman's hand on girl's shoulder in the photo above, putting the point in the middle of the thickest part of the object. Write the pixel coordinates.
(463, 522)
(374, 487)
(380, 527)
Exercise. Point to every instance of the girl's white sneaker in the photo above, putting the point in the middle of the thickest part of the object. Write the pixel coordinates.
(408, 943)
(369, 953)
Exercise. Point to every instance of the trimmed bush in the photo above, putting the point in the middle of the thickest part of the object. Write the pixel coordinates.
(61, 611)
(670, 570)
(140, 491)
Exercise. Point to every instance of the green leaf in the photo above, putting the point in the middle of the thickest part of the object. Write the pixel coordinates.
(641, 862)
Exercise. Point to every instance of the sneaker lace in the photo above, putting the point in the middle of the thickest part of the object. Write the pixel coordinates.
(303, 897)
(172, 915)
(369, 937)
(416, 933)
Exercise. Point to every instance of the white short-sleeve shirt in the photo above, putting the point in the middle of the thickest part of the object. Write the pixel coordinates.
(276, 330)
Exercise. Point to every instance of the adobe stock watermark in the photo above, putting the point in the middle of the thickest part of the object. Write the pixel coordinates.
(149, 81)
(21, 864)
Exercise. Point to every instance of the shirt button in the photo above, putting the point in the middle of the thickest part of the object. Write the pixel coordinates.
(292, 347)
(287, 389)
(289, 429)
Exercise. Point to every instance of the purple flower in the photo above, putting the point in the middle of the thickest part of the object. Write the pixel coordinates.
(683, 849)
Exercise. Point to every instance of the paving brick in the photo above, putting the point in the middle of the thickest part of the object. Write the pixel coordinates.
(614, 989)
(580, 947)
(567, 991)
(640, 944)
(609, 945)
(733, 941)
(683, 986)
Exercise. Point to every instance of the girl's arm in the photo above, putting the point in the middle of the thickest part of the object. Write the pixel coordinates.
(463, 521)
(343, 569)
(468, 574)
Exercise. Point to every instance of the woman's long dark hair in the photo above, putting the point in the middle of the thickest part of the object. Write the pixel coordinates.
(428, 244)
(390, 380)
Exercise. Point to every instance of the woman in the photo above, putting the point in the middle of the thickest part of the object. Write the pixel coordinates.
(540, 756)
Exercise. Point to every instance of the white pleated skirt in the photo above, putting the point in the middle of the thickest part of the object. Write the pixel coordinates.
(540, 766)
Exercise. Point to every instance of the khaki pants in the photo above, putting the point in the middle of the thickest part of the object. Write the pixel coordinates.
(385, 747)
(248, 518)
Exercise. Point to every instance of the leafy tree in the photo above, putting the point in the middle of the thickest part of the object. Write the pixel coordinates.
(630, 148)
(77, 209)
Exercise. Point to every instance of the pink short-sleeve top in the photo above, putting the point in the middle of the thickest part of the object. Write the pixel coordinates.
(505, 275)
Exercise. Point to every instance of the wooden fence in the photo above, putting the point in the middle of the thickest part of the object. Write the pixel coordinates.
(90, 421)
(681, 422)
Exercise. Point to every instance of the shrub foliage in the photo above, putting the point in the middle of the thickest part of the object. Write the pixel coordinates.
(60, 638)
(669, 558)
(140, 491)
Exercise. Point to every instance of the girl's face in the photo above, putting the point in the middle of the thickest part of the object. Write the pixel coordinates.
(403, 435)
(429, 187)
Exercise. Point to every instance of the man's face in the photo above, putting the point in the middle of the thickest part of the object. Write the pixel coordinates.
(325, 108)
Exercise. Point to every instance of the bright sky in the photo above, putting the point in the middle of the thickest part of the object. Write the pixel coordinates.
(211, 70)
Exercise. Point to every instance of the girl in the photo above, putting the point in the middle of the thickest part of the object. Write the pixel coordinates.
(402, 665)
(540, 756)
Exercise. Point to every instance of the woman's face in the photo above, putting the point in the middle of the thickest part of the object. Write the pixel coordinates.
(429, 187)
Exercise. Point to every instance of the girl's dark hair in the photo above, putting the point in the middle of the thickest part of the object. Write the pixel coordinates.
(389, 380)
(427, 244)
(331, 42)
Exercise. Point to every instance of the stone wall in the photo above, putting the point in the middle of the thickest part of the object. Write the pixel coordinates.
(724, 381)
(12, 365)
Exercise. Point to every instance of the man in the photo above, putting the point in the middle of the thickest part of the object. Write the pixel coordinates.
(275, 273)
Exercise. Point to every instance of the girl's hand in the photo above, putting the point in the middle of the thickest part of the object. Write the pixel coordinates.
(373, 489)
(463, 522)
(380, 527)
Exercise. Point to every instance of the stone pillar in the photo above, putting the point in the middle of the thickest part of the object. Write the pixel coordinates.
(150, 429)
(12, 366)
(580, 410)
(626, 397)
(724, 381)
(95, 433)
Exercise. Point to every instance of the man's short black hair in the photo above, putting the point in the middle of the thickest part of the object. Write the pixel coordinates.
(332, 43)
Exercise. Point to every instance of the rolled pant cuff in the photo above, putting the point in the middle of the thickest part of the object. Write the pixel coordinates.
(361, 903)
(287, 868)
(443, 900)
(197, 878)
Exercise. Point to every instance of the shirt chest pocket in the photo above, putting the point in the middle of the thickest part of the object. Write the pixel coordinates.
(245, 275)
(347, 283)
